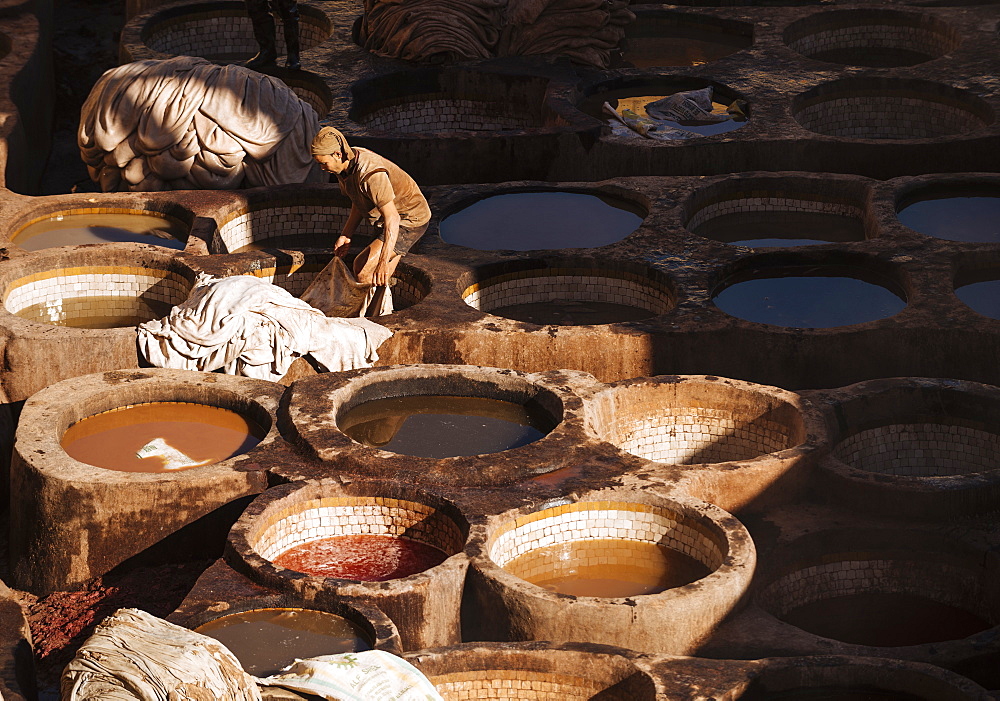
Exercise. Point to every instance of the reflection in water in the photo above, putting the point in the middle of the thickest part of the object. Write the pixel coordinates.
(205, 434)
(365, 558)
(955, 218)
(675, 45)
(96, 312)
(524, 221)
(606, 567)
(76, 229)
(434, 426)
(572, 313)
(801, 300)
(885, 620)
(267, 640)
(982, 297)
(767, 229)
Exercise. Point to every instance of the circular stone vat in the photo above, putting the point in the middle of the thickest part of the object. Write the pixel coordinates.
(772, 212)
(842, 678)
(536, 220)
(222, 31)
(881, 588)
(916, 447)
(64, 507)
(954, 212)
(568, 292)
(160, 437)
(610, 530)
(318, 404)
(450, 100)
(872, 37)
(95, 289)
(638, 94)
(101, 225)
(680, 39)
(285, 223)
(814, 295)
(483, 671)
(311, 89)
(980, 291)
(890, 108)
(294, 271)
(392, 546)
(267, 640)
(695, 420)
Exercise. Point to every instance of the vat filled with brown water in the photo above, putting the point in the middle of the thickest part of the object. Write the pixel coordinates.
(160, 437)
(882, 589)
(624, 568)
(550, 219)
(846, 678)
(659, 38)
(395, 547)
(436, 426)
(267, 640)
(72, 228)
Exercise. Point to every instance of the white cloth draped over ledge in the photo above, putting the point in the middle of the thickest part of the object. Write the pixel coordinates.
(186, 123)
(247, 326)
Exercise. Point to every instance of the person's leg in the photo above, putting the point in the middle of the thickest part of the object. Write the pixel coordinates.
(263, 32)
(288, 10)
(364, 264)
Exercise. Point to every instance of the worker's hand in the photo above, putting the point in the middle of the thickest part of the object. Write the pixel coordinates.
(380, 278)
(340, 248)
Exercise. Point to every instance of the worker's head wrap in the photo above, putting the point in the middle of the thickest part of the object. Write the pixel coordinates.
(330, 141)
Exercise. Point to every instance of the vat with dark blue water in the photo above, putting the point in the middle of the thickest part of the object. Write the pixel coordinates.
(810, 296)
(972, 216)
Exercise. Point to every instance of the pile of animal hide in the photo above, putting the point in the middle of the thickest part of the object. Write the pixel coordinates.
(450, 30)
(186, 123)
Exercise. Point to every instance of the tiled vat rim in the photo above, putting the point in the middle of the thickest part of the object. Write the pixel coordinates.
(609, 519)
(922, 449)
(689, 436)
(514, 684)
(886, 117)
(222, 31)
(859, 573)
(577, 283)
(444, 114)
(920, 33)
(759, 200)
(96, 280)
(277, 220)
(278, 529)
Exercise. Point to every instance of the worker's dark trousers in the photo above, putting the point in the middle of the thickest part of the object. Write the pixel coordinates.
(264, 32)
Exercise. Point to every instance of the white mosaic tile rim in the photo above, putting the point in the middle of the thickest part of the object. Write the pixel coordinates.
(886, 117)
(739, 204)
(225, 34)
(605, 523)
(921, 450)
(685, 436)
(172, 290)
(296, 220)
(453, 114)
(370, 519)
(583, 288)
(940, 582)
(919, 39)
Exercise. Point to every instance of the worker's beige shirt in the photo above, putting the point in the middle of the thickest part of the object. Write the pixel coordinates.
(376, 181)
